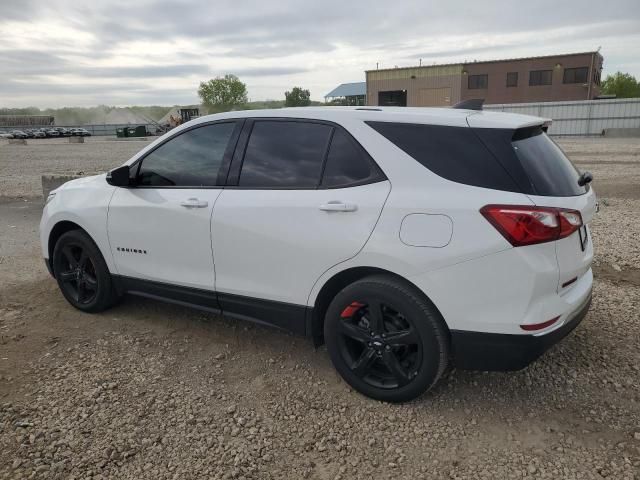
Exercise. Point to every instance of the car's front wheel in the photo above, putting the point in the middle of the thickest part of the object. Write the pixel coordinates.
(386, 339)
(81, 272)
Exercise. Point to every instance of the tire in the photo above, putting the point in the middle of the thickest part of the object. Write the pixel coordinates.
(82, 274)
(407, 354)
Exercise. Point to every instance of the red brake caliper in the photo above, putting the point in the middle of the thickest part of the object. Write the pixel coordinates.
(351, 309)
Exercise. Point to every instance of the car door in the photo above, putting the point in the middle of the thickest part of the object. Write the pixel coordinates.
(302, 196)
(160, 227)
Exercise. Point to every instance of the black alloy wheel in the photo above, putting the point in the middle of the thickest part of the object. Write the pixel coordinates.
(77, 273)
(386, 339)
(81, 272)
(379, 344)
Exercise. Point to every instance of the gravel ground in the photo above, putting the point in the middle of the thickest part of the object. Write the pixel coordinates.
(23, 165)
(148, 390)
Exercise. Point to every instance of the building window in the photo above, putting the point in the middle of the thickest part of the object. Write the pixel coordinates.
(478, 81)
(575, 75)
(512, 79)
(540, 77)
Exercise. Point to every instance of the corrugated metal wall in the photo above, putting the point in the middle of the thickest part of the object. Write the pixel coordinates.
(588, 117)
(432, 79)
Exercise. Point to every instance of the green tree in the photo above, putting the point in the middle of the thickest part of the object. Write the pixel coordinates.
(622, 85)
(222, 94)
(297, 97)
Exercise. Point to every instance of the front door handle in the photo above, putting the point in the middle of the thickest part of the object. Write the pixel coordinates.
(194, 203)
(336, 206)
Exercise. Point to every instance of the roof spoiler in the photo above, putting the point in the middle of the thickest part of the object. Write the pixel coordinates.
(471, 104)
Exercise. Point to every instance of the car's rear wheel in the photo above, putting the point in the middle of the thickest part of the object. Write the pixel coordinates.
(386, 339)
(81, 272)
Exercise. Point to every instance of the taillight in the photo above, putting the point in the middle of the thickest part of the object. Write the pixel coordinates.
(523, 225)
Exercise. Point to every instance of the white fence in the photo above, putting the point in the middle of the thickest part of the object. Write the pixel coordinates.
(586, 117)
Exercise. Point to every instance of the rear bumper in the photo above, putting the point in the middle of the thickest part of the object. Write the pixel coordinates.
(504, 352)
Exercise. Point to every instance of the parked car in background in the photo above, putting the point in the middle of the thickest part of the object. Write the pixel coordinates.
(6, 135)
(80, 132)
(29, 132)
(19, 134)
(39, 134)
(52, 132)
(63, 131)
(407, 239)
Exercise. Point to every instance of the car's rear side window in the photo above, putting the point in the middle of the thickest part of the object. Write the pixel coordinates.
(454, 153)
(285, 154)
(348, 164)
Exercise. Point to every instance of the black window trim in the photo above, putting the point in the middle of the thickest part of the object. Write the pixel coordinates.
(507, 80)
(541, 84)
(224, 167)
(573, 70)
(478, 75)
(233, 177)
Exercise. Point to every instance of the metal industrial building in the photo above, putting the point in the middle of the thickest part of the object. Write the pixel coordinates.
(348, 94)
(550, 78)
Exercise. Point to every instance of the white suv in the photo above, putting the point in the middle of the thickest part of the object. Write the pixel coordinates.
(406, 239)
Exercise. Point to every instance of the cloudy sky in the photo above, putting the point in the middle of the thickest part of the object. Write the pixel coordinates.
(143, 52)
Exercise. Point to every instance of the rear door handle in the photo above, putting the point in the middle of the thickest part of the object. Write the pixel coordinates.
(194, 203)
(335, 206)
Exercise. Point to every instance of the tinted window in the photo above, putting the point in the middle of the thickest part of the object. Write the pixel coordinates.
(192, 159)
(512, 79)
(550, 171)
(455, 153)
(478, 81)
(348, 163)
(540, 77)
(285, 154)
(575, 75)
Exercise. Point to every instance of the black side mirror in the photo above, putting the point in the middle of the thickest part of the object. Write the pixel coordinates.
(119, 177)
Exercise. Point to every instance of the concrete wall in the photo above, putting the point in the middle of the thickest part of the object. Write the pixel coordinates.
(588, 117)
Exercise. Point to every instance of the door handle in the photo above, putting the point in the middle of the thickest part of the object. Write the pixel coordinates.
(336, 206)
(194, 203)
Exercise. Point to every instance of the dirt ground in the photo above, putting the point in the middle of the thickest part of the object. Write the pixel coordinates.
(150, 390)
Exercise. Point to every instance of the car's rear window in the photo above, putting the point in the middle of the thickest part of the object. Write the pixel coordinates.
(548, 168)
(455, 153)
(517, 160)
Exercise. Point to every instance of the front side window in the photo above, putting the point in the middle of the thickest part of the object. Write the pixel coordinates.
(575, 75)
(348, 164)
(191, 159)
(478, 81)
(284, 154)
(540, 77)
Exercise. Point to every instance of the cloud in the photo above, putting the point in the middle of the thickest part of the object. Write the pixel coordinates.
(162, 49)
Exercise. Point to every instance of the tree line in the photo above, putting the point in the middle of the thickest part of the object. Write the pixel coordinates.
(226, 93)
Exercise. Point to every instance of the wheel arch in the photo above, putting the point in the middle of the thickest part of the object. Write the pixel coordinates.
(315, 321)
(59, 229)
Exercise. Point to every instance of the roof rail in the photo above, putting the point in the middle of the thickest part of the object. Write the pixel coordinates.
(471, 104)
(371, 109)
